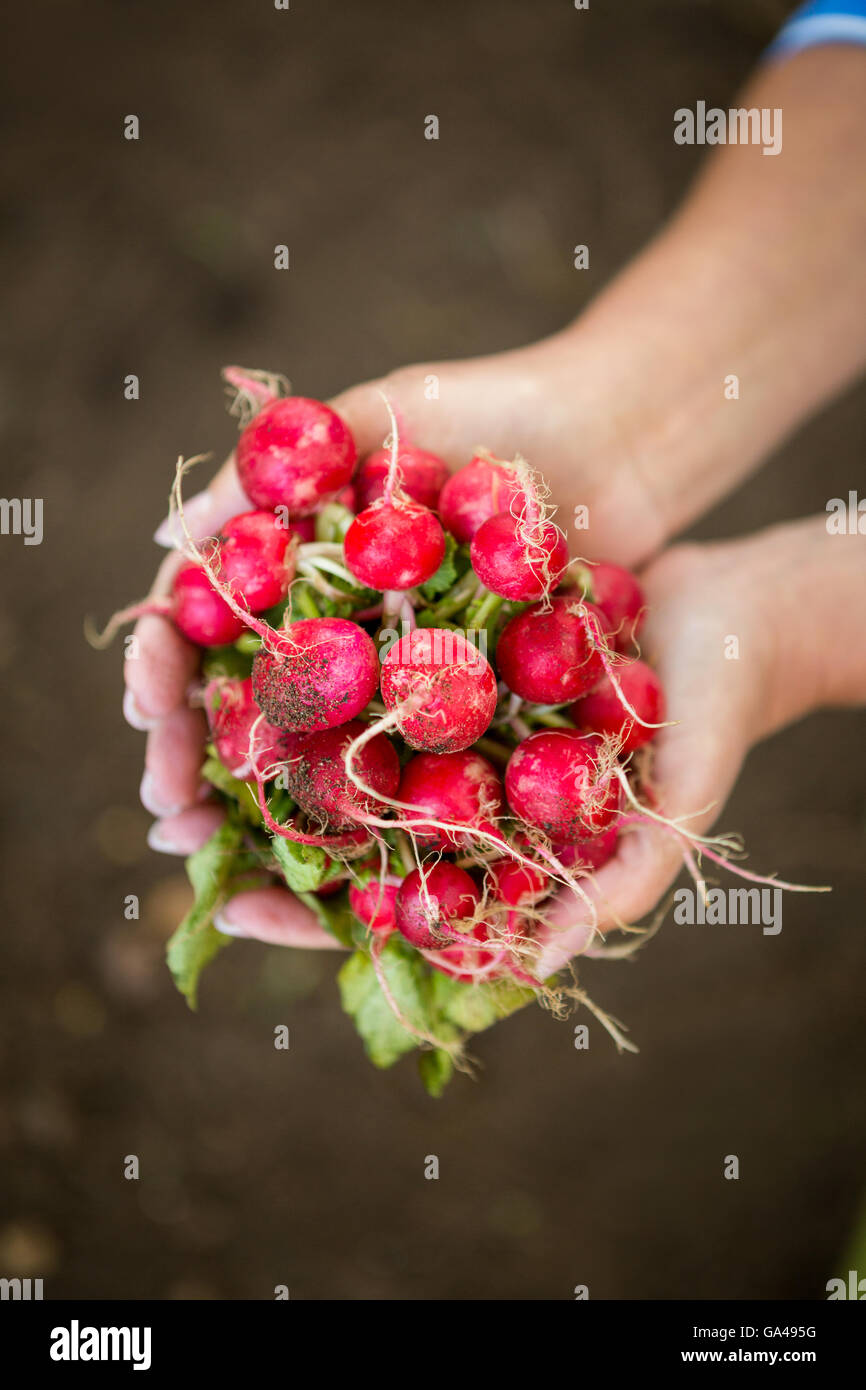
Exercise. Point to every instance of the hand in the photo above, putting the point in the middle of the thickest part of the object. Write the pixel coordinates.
(781, 595)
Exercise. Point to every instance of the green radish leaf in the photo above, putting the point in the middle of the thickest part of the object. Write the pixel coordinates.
(303, 866)
(196, 941)
(385, 1039)
(436, 1069)
(446, 575)
(474, 1007)
(219, 776)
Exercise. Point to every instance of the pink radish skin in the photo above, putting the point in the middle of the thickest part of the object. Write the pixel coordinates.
(460, 787)
(316, 775)
(518, 559)
(374, 904)
(422, 477)
(322, 673)
(296, 453)
(441, 689)
(555, 781)
(198, 611)
(252, 559)
(602, 712)
(545, 655)
(476, 493)
(430, 918)
(394, 545)
(231, 713)
(621, 599)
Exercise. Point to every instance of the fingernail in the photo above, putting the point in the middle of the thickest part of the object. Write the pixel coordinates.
(197, 514)
(152, 802)
(133, 715)
(161, 842)
(228, 928)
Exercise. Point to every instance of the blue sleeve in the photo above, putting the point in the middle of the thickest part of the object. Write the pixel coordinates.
(820, 22)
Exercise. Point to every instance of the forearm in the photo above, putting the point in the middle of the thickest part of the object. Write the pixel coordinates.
(761, 275)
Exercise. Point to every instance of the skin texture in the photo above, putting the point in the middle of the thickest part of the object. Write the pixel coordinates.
(624, 413)
(422, 477)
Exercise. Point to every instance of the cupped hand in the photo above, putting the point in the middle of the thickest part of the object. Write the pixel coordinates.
(538, 401)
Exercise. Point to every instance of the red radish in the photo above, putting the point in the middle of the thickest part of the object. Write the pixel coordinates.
(231, 713)
(252, 559)
(602, 711)
(317, 779)
(441, 689)
(328, 890)
(432, 908)
(198, 611)
(374, 904)
(320, 673)
(519, 559)
(394, 545)
(295, 453)
(516, 884)
(589, 854)
(422, 476)
(475, 493)
(620, 597)
(456, 787)
(558, 781)
(545, 655)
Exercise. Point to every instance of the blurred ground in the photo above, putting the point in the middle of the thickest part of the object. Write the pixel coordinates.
(259, 1167)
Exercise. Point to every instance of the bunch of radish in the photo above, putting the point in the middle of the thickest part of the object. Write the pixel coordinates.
(425, 719)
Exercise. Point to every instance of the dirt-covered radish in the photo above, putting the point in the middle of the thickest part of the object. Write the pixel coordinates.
(254, 559)
(621, 599)
(440, 689)
(518, 557)
(602, 711)
(316, 775)
(547, 654)
(435, 907)
(231, 713)
(394, 545)
(475, 493)
(460, 787)
(296, 453)
(561, 782)
(422, 476)
(320, 672)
